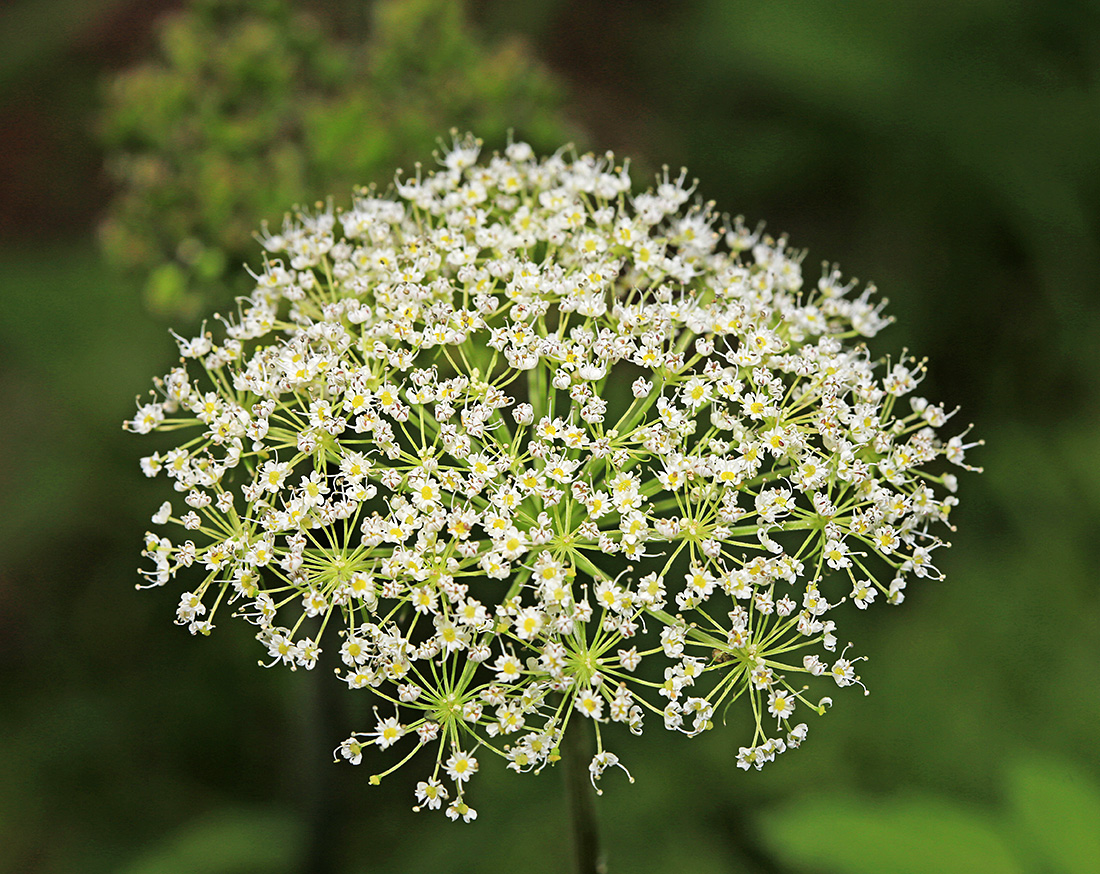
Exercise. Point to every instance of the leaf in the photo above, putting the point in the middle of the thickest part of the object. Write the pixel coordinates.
(907, 835)
(1058, 810)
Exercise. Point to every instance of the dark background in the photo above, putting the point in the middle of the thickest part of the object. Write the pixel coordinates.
(949, 151)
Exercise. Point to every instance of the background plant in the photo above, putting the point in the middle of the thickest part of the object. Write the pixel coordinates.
(251, 108)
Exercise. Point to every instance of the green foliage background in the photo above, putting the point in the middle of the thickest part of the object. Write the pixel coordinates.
(948, 151)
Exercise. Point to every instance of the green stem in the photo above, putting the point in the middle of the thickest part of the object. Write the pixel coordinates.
(582, 802)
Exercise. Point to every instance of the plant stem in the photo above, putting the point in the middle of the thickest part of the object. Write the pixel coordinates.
(320, 712)
(582, 802)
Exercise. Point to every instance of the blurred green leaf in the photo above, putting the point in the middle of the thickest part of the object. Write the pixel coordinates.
(905, 835)
(1058, 808)
(227, 842)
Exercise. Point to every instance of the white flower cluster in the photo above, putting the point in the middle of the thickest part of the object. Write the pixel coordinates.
(529, 440)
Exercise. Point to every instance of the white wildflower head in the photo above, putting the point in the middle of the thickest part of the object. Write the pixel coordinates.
(529, 449)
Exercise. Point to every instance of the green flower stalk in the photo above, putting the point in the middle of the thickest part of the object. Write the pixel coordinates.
(531, 449)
